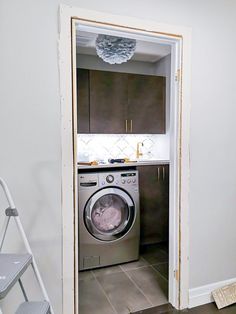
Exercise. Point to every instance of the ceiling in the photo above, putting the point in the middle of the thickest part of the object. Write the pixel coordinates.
(146, 51)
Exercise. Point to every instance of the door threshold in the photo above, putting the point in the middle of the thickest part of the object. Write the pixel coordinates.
(159, 309)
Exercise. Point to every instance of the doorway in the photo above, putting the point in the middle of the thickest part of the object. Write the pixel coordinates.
(123, 207)
(178, 273)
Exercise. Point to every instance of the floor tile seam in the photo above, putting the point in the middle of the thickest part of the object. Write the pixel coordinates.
(141, 257)
(135, 268)
(159, 250)
(155, 263)
(146, 260)
(163, 251)
(162, 276)
(85, 279)
(106, 296)
(149, 308)
(140, 290)
(93, 274)
(115, 272)
(160, 263)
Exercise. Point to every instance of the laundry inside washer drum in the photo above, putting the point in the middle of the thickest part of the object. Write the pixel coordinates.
(109, 212)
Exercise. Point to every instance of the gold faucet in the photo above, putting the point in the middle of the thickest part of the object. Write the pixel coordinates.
(138, 152)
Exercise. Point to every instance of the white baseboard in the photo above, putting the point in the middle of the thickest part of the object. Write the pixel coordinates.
(202, 295)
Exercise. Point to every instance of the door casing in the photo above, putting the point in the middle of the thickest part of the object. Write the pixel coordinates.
(180, 39)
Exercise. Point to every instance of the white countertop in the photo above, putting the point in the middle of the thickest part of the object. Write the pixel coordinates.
(128, 164)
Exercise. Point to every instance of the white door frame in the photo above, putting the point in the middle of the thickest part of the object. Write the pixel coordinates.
(180, 38)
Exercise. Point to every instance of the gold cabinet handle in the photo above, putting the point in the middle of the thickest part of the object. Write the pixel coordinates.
(126, 125)
(163, 173)
(131, 125)
(158, 173)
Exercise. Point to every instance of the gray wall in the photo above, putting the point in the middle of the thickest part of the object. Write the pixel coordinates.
(30, 135)
(163, 68)
(30, 126)
(95, 63)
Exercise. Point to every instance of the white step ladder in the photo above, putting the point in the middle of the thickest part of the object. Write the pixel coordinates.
(13, 266)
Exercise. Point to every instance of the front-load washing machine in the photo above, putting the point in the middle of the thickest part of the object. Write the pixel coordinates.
(109, 219)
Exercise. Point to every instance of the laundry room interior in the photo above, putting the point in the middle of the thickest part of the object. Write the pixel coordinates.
(123, 160)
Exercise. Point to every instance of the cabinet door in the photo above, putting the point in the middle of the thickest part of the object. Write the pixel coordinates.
(146, 104)
(108, 102)
(82, 101)
(154, 203)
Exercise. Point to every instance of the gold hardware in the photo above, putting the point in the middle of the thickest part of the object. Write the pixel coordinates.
(138, 153)
(126, 125)
(163, 173)
(158, 173)
(131, 125)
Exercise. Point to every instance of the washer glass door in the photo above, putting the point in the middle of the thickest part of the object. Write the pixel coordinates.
(109, 214)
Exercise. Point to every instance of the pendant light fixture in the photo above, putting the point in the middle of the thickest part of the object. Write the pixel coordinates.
(115, 50)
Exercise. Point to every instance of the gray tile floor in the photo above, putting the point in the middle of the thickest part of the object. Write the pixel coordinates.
(127, 287)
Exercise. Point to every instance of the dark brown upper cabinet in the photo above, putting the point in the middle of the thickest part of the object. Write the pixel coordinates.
(113, 102)
(146, 104)
(108, 99)
(83, 101)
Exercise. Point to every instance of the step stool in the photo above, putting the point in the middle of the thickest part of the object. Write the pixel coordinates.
(13, 266)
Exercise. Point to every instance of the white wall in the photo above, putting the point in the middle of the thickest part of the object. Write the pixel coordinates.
(30, 126)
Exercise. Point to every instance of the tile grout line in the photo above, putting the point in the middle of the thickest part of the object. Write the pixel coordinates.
(121, 265)
(162, 276)
(163, 251)
(86, 271)
(139, 289)
(104, 292)
(146, 260)
(93, 274)
(151, 264)
(132, 281)
(160, 263)
(134, 268)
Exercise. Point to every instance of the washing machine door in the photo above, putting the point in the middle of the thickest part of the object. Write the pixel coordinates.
(109, 214)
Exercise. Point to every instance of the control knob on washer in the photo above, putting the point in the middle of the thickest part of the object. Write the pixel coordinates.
(110, 178)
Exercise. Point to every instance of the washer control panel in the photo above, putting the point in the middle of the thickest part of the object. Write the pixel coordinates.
(110, 178)
(126, 178)
(87, 181)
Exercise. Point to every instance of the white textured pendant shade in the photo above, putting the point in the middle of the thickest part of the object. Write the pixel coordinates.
(115, 50)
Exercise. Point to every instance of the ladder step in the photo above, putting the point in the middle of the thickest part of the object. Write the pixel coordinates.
(12, 267)
(34, 308)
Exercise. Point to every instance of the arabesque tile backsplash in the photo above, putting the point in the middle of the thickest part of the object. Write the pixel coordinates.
(104, 146)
